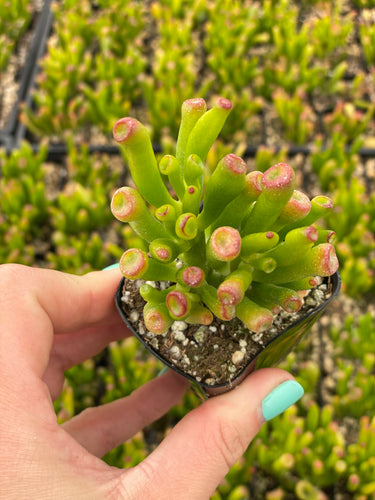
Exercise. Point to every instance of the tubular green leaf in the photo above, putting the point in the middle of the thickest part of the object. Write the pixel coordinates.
(228, 179)
(136, 143)
(191, 111)
(207, 128)
(278, 184)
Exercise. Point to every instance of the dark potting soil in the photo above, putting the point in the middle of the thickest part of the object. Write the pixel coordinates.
(214, 354)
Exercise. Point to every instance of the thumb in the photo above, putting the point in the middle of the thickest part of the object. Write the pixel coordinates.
(199, 451)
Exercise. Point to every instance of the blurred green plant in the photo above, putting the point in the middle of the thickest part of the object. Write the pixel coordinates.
(295, 115)
(15, 17)
(91, 69)
(24, 204)
(335, 161)
(355, 231)
(355, 359)
(367, 38)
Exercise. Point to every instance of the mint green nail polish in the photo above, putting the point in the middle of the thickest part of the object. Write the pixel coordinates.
(283, 396)
(162, 371)
(112, 266)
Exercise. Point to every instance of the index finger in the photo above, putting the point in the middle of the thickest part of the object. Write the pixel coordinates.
(36, 303)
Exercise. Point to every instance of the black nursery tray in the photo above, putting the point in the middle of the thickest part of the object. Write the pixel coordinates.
(12, 130)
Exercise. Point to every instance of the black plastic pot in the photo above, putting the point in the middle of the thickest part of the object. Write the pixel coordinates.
(271, 354)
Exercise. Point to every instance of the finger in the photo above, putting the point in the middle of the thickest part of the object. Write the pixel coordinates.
(37, 303)
(73, 348)
(198, 452)
(103, 428)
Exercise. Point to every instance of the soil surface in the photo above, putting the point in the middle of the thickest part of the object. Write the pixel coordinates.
(214, 354)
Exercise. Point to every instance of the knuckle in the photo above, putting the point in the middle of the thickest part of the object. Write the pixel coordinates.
(107, 435)
(138, 482)
(9, 272)
(147, 471)
(12, 276)
(229, 441)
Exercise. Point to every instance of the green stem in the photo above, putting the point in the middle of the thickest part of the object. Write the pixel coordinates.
(153, 295)
(194, 171)
(303, 284)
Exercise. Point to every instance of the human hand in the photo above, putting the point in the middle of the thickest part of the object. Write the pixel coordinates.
(50, 321)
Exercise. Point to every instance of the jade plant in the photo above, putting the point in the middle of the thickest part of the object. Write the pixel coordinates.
(228, 243)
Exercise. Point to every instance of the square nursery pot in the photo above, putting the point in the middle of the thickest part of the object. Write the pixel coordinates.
(261, 350)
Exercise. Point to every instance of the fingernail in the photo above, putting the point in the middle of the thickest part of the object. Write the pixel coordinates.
(162, 371)
(112, 266)
(281, 398)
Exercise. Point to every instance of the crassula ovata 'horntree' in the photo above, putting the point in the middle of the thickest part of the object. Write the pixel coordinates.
(229, 243)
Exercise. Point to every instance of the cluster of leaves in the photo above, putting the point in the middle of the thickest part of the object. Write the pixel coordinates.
(233, 244)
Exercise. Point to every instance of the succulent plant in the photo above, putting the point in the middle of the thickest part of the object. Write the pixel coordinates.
(228, 243)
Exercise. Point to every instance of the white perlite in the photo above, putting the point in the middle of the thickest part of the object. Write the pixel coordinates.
(179, 326)
(151, 283)
(179, 336)
(134, 316)
(210, 381)
(175, 352)
(237, 357)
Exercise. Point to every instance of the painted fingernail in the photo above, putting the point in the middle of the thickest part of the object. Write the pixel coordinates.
(112, 266)
(162, 371)
(281, 398)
